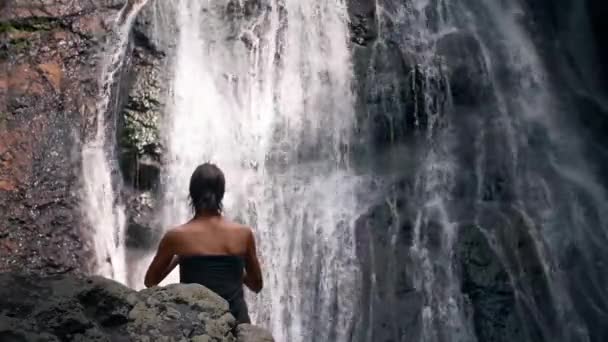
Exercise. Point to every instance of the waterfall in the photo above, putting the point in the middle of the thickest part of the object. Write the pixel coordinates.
(500, 158)
(269, 99)
(450, 206)
(100, 205)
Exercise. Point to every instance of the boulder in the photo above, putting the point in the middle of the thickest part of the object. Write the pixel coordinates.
(252, 333)
(79, 308)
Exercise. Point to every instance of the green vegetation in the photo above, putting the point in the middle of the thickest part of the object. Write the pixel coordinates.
(19, 34)
(139, 129)
(19, 44)
(28, 25)
(7, 27)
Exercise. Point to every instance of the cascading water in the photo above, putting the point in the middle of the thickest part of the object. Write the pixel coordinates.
(100, 204)
(463, 233)
(274, 110)
(502, 169)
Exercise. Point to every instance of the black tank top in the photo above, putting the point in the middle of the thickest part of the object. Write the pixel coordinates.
(222, 274)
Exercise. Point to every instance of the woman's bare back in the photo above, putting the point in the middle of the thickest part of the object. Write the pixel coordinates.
(213, 235)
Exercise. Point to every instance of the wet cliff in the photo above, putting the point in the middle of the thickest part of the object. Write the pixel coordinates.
(490, 134)
(49, 54)
(483, 123)
(51, 57)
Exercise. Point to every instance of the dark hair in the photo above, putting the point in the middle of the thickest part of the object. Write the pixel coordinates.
(207, 186)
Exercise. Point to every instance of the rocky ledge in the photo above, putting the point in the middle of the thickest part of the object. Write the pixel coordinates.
(77, 308)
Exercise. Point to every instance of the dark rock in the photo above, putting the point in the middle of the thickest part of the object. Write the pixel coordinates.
(138, 127)
(400, 97)
(20, 9)
(143, 232)
(141, 236)
(598, 11)
(468, 78)
(363, 25)
(391, 306)
(486, 282)
(594, 121)
(577, 29)
(138, 144)
(69, 308)
(246, 9)
(499, 269)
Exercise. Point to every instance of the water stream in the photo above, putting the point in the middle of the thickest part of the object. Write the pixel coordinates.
(101, 206)
(273, 107)
(266, 90)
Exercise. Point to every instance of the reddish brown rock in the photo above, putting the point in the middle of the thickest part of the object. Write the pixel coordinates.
(53, 74)
(23, 79)
(48, 89)
(25, 9)
(6, 185)
(16, 160)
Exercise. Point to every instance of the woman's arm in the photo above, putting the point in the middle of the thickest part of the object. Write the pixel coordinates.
(174, 262)
(164, 261)
(253, 274)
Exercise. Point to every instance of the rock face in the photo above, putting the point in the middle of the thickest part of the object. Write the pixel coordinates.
(515, 249)
(48, 85)
(69, 308)
(471, 229)
(138, 142)
(50, 60)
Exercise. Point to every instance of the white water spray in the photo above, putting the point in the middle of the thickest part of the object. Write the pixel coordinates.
(101, 206)
(274, 110)
(266, 94)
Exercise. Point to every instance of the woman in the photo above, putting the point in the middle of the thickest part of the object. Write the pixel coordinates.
(211, 250)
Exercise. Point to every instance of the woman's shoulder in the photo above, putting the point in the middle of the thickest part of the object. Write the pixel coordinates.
(180, 232)
(186, 230)
(236, 226)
